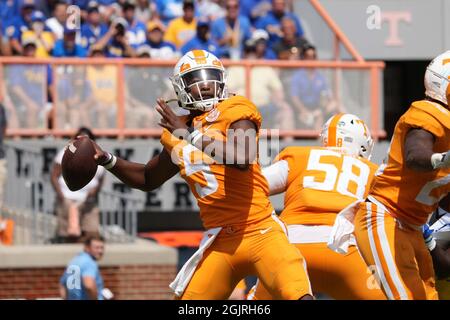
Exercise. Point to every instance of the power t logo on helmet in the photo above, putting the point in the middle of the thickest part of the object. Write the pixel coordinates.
(437, 78)
(199, 81)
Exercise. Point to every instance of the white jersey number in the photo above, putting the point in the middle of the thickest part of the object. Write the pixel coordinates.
(211, 182)
(335, 179)
(425, 195)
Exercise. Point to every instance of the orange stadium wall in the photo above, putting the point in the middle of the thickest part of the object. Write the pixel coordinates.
(142, 270)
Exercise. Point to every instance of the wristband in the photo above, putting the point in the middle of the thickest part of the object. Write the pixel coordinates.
(194, 136)
(110, 162)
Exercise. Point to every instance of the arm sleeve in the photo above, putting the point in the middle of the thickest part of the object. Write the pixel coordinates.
(89, 270)
(243, 109)
(277, 176)
(416, 118)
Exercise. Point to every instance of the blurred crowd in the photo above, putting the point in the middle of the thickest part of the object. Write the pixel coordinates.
(88, 94)
(159, 29)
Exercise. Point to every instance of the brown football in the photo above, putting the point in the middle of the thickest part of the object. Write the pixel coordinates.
(78, 164)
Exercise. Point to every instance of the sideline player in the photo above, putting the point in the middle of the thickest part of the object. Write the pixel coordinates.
(244, 236)
(437, 239)
(406, 189)
(319, 182)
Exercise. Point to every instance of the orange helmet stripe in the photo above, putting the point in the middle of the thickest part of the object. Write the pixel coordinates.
(332, 141)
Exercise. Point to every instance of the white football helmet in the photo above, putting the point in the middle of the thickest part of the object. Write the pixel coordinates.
(437, 78)
(348, 133)
(194, 69)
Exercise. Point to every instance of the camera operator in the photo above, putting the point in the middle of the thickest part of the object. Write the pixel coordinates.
(115, 41)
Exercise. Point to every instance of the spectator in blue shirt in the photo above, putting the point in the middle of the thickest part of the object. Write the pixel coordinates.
(136, 30)
(272, 21)
(159, 49)
(114, 41)
(169, 9)
(20, 24)
(67, 47)
(93, 29)
(255, 9)
(7, 13)
(232, 31)
(82, 279)
(41, 5)
(311, 95)
(201, 41)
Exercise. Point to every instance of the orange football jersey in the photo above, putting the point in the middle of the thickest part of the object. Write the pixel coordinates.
(225, 195)
(408, 194)
(321, 182)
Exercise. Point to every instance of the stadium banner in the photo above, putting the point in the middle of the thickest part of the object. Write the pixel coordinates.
(392, 26)
(30, 162)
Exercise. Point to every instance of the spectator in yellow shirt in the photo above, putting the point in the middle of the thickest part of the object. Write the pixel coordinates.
(182, 29)
(44, 39)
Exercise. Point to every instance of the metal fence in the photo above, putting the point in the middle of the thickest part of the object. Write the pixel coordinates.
(29, 200)
(118, 97)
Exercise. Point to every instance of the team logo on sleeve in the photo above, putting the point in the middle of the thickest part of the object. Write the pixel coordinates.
(212, 115)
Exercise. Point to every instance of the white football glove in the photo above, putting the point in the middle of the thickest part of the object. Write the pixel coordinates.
(440, 160)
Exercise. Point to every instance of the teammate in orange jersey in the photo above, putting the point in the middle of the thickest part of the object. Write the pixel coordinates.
(406, 189)
(319, 182)
(244, 236)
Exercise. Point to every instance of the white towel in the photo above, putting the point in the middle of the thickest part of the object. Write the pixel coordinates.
(187, 271)
(342, 232)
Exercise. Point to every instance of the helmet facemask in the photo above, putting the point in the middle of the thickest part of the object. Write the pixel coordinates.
(200, 89)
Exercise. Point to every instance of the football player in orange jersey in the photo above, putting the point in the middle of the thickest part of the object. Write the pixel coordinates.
(406, 189)
(244, 236)
(319, 182)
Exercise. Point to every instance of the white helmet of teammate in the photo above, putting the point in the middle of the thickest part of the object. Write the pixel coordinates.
(195, 68)
(348, 133)
(437, 78)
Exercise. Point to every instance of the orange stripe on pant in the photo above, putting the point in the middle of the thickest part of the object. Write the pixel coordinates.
(264, 251)
(342, 277)
(398, 254)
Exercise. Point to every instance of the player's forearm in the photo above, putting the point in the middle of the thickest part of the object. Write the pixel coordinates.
(419, 161)
(419, 145)
(130, 173)
(229, 152)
